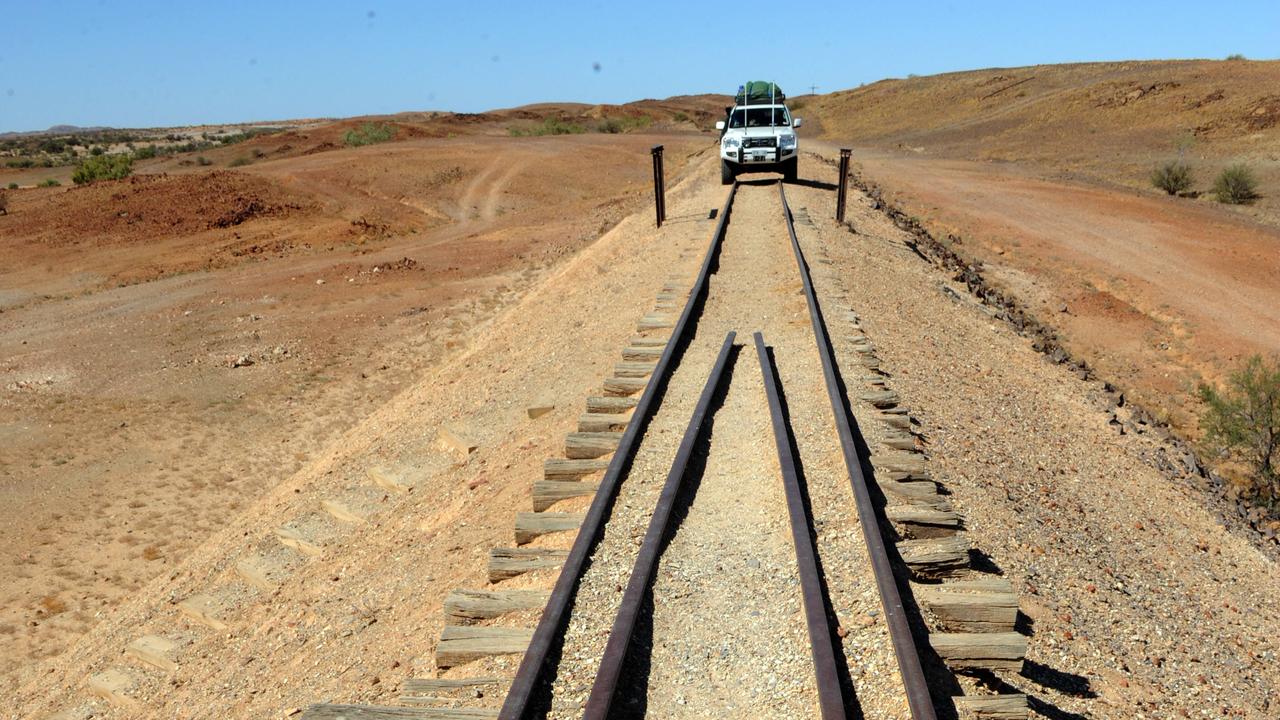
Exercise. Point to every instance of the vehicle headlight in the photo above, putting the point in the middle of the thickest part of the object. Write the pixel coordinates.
(788, 141)
(731, 142)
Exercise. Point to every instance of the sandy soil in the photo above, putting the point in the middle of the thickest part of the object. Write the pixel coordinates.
(177, 345)
(1159, 293)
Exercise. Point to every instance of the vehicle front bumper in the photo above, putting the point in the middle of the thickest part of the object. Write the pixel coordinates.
(749, 157)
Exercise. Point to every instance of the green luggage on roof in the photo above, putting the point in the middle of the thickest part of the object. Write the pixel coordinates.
(759, 92)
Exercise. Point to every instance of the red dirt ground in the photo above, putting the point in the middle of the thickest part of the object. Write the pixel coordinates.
(176, 344)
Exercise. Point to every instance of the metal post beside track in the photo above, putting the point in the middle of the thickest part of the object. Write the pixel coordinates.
(842, 187)
(659, 185)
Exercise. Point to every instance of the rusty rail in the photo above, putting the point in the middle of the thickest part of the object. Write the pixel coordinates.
(615, 650)
(913, 680)
(830, 698)
(554, 616)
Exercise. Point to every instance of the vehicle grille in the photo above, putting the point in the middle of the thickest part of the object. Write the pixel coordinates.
(759, 142)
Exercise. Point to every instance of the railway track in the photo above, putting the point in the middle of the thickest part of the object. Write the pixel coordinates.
(792, 578)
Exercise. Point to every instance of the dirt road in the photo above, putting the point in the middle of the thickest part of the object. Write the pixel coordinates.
(1160, 293)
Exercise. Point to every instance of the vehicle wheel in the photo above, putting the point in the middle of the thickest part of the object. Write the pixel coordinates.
(726, 173)
(790, 170)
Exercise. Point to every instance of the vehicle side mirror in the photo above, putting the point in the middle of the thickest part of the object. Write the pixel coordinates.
(797, 122)
(719, 124)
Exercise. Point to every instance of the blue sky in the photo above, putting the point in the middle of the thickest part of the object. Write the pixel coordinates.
(144, 63)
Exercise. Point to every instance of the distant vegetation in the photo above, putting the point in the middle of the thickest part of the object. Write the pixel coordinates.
(13, 186)
(239, 162)
(49, 183)
(103, 167)
(609, 125)
(1236, 56)
(623, 124)
(1243, 421)
(60, 150)
(1236, 185)
(369, 134)
(549, 126)
(1172, 177)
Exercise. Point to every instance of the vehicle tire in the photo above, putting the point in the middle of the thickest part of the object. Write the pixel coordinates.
(790, 170)
(726, 173)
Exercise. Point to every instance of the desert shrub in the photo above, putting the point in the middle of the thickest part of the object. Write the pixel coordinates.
(49, 183)
(4, 203)
(239, 162)
(258, 153)
(1243, 420)
(549, 126)
(1172, 177)
(1236, 185)
(23, 163)
(203, 161)
(96, 150)
(369, 134)
(103, 167)
(1236, 57)
(145, 153)
(623, 124)
(13, 186)
(680, 116)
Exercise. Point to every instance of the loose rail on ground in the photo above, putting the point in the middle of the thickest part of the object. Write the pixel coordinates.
(516, 705)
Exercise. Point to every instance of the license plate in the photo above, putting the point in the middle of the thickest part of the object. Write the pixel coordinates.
(758, 156)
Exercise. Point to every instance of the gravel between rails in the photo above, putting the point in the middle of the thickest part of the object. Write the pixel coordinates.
(729, 637)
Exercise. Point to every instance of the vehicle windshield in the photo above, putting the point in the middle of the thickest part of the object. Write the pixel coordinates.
(759, 117)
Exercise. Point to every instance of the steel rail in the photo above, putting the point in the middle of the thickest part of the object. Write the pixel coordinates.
(919, 700)
(551, 624)
(830, 698)
(615, 651)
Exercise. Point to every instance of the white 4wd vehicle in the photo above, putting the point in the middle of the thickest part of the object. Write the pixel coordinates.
(758, 138)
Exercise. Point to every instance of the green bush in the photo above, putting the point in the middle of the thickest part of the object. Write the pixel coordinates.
(550, 126)
(1172, 177)
(1236, 185)
(13, 186)
(239, 162)
(1244, 421)
(23, 163)
(623, 124)
(680, 116)
(369, 134)
(97, 150)
(49, 183)
(145, 153)
(1236, 57)
(103, 167)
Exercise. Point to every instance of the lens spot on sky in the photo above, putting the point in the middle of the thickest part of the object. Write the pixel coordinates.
(494, 58)
(9, 92)
(253, 61)
(595, 66)
(371, 14)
